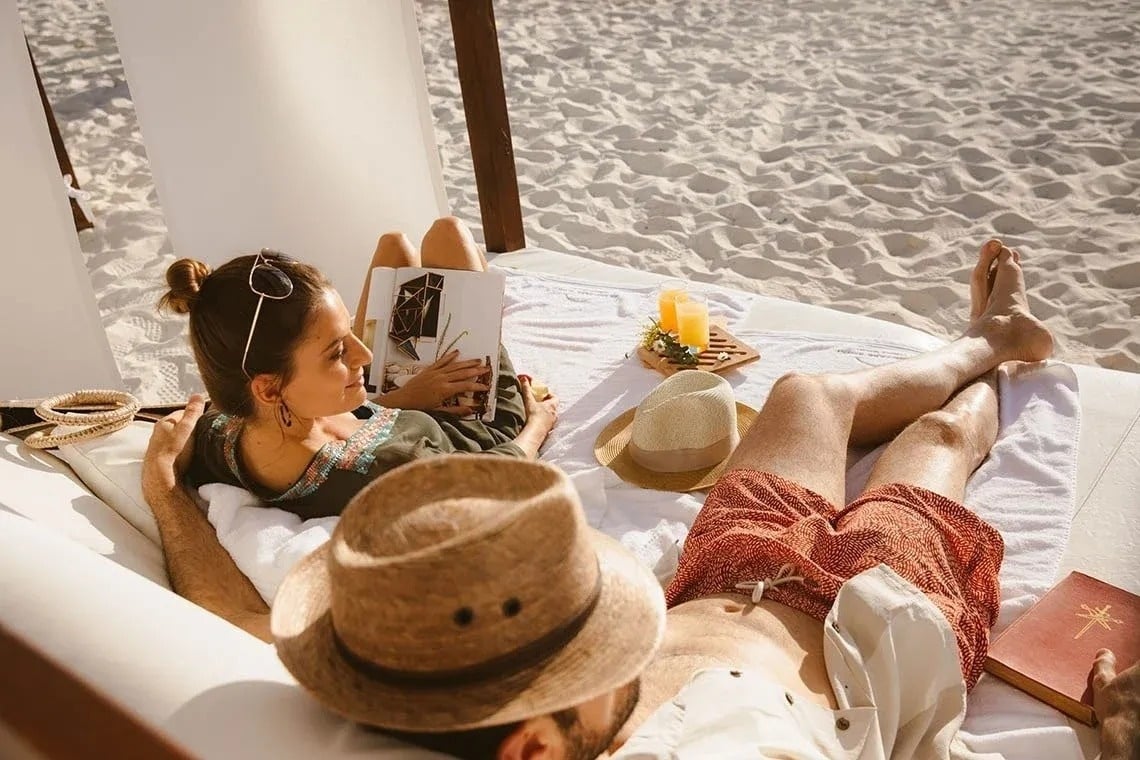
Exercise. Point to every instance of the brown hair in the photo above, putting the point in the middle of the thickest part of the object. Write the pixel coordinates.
(484, 743)
(221, 306)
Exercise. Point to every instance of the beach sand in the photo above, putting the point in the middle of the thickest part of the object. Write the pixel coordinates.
(851, 155)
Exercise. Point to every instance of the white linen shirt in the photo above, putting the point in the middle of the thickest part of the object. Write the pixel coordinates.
(892, 660)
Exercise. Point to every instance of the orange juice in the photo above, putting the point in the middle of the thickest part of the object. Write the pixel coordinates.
(667, 301)
(693, 323)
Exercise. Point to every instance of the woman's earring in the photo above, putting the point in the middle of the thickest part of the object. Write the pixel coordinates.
(286, 416)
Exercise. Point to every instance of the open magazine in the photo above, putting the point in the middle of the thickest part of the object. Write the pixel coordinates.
(416, 316)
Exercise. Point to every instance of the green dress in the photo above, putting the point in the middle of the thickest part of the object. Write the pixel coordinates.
(387, 439)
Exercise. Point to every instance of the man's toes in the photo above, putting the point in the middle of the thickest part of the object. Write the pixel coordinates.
(986, 258)
(981, 281)
(1007, 274)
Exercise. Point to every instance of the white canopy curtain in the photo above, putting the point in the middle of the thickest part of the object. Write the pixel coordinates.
(51, 337)
(301, 126)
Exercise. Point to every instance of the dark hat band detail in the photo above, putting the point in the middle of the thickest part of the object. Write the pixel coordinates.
(497, 667)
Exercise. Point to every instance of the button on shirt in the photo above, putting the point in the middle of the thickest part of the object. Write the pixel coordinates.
(893, 664)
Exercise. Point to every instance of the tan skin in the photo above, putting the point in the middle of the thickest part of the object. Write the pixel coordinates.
(940, 409)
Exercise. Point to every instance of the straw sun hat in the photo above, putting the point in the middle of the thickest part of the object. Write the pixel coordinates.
(680, 437)
(463, 591)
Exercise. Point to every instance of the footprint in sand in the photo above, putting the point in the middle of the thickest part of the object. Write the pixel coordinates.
(1012, 224)
(1052, 190)
(741, 215)
(1120, 360)
(973, 206)
(659, 165)
(706, 183)
(1126, 206)
(982, 173)
(1123, 277)
(903, 244)
(1103, 155)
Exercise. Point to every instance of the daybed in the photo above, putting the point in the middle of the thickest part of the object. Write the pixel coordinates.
(218, 692)
(100, 658)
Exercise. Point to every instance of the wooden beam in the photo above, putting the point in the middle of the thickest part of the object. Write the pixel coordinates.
(62, 716)
(488, 128)
(78, 217)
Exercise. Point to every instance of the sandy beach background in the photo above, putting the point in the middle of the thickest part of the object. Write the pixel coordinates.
(847, 154)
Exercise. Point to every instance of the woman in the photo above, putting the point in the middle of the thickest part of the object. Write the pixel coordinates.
(284, 367)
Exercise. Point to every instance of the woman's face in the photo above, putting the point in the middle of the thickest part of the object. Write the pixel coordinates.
(328, 364)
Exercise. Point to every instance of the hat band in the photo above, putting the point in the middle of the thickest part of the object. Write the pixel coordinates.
(505, 664)
(685, 460)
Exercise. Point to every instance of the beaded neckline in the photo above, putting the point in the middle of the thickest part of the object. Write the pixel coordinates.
(355, 454)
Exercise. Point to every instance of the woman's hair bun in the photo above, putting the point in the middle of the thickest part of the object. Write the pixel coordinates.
(185, 278)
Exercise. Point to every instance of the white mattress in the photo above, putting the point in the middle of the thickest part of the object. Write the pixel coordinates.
(1105, 537)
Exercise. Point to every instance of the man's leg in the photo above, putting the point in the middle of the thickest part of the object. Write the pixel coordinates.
(448, 244)
(393, 249)
(807, 422)
(940, 450)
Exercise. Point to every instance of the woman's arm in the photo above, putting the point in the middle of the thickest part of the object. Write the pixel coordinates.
(199, 568)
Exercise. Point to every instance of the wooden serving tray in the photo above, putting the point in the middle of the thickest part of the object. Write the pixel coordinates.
(720, 341)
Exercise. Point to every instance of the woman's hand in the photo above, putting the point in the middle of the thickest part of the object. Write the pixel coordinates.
(430, 387)
(1116, 699)
(541, 412)
(541, 415)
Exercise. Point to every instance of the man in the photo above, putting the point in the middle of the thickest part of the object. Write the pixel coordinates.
(795, 628)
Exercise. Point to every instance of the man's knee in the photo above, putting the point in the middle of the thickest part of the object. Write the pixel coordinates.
(946, 429)
(803, 388)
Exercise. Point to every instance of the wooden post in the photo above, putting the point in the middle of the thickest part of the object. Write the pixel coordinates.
(488, 128)
(65, 168)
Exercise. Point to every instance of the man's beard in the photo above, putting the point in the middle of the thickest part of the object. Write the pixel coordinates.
(580, 746)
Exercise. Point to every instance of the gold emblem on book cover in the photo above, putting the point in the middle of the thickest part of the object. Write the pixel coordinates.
(1098, 616)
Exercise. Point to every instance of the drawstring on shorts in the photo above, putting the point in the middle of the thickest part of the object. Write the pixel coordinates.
(759, 587)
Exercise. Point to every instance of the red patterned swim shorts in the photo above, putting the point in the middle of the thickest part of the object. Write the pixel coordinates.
(753, 523)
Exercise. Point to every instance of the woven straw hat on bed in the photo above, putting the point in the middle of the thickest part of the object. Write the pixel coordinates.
(680, 437)
(464, 591)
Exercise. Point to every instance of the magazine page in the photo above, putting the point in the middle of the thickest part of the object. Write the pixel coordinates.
(427, 313)
(378, 310)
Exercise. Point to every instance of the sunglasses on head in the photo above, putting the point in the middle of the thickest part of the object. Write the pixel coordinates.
(267, 281)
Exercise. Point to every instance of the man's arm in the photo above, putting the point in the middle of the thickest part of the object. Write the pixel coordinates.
(1116, 699)
(199, 568)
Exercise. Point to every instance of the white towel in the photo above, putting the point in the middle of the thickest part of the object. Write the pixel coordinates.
(579, 338)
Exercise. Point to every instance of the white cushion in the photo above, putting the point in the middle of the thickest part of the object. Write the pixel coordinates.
(39, 488)
(265, 542)
(211, 687)
(111, 467)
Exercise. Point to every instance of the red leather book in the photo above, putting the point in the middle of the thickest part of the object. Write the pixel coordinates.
(1048, 652)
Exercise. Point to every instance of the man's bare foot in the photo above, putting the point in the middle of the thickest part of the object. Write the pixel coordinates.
(999, 309)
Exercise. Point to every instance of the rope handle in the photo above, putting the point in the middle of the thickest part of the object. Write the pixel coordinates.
(89, 424)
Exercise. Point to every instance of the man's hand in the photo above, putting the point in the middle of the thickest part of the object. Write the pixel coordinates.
(430, 387)
(1116, 699)
(170, 448)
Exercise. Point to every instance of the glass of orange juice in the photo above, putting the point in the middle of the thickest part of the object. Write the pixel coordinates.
(671, 294)
(693, 322)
